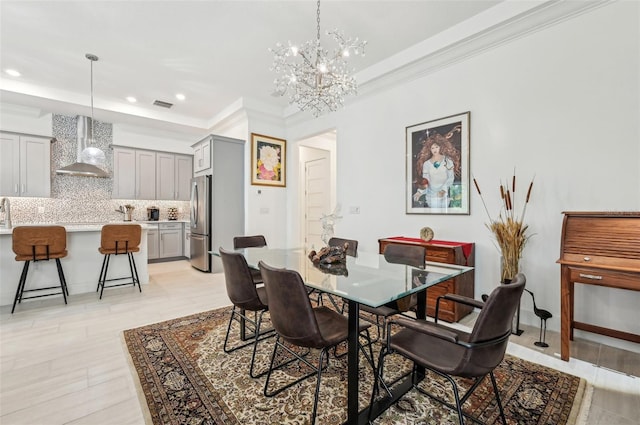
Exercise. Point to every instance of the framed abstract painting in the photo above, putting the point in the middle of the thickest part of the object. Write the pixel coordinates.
(437, 166)
(268, 161)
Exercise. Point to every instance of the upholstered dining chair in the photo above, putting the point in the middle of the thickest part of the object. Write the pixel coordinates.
(450, 352)
(255, 241)
(411, 255)
(118, 239)
(39, 243)
(245, 296)
(298, 323)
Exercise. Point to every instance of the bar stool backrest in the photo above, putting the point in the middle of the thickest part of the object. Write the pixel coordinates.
(120, 238)
(32, 243)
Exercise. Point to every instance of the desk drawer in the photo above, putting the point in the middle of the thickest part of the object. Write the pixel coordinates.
(440, 255)
(612, 279)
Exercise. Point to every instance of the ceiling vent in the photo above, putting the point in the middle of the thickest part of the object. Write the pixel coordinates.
(163, 104)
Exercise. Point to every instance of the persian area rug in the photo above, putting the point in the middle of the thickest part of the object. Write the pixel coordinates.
(187, 378)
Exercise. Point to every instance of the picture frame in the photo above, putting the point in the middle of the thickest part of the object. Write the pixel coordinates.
(268, 160)
(437, 166)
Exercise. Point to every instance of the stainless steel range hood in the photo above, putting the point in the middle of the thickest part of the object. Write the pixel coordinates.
(87, 156)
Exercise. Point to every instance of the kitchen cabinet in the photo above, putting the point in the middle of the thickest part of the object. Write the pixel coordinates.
(202, 157)
(145, 174)
(186, 245)
(134, 173)
(174, 174)
(153, 247)
(165, 240)
(25, 165)
(444, 252)
(170, 240)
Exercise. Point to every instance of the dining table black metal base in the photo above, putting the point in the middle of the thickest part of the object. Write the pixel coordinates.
(355, 416)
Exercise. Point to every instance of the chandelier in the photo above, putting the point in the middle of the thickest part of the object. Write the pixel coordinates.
(315, 79)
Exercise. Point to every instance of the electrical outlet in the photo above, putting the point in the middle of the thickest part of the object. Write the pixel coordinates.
(40, 210)
(354, 210)
(264, 210)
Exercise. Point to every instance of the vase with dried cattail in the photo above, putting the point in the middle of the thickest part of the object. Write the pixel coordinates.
(508, 227)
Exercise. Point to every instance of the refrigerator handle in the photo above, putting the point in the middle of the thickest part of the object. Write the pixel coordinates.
(194, 204)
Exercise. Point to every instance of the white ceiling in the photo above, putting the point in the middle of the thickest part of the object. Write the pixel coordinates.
(214, 52)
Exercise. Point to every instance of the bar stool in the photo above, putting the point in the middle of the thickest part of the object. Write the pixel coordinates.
(39, 243)
(116, 239)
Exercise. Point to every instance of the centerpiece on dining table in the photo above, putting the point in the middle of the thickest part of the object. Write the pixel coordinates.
(331, 259)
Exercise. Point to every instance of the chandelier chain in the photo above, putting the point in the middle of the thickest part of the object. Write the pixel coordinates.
(318, 21)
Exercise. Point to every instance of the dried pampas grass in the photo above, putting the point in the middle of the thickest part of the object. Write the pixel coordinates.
(508, 228)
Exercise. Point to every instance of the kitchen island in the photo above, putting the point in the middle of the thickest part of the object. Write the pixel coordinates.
(81, 265)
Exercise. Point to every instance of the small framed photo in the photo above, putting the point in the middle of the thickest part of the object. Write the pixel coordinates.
(268, 161)
(438, 166)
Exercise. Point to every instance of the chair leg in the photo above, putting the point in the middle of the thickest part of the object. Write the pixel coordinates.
(104, 277)
(257, 336)
(21, 283)
(63, 282)
(495, 388)
(134, 270)
(314, 412)
(255, 348)
(100, 279)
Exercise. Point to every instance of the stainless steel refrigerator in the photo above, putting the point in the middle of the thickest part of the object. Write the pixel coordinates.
(200, 217)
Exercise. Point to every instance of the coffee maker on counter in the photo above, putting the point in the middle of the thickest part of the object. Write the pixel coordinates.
(153, 214)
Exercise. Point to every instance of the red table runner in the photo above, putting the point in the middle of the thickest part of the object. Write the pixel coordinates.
(466, 246)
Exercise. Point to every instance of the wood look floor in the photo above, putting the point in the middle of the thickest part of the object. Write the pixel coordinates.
(68, 365)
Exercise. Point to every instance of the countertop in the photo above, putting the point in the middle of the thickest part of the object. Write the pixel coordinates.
(88, 226)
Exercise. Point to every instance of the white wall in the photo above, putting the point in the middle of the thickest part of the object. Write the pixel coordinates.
(561, 104)
(142, 138)
(23, 119)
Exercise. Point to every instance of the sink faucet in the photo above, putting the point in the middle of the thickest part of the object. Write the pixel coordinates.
(5, 207)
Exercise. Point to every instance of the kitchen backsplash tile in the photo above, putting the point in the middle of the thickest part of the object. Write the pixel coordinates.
(27, 210)
(83, 199)
(65, 151)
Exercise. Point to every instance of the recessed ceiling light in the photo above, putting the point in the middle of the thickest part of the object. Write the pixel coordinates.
(12, 72)
(180, 96)
(131, 99)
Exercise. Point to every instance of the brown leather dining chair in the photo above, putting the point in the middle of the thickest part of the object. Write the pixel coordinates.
(118, 239)
(298, 323)
(450, 352)
(245, 296)
(411, 255)
(255, 241)
(39, 243)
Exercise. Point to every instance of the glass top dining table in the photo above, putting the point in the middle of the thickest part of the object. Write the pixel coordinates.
(367, 279)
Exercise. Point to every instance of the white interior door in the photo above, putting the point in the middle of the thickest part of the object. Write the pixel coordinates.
(317, 198)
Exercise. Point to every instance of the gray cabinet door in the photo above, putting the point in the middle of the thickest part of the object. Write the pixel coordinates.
(153, 251)
(184, 172)
(124, 173)
(166, 176)
(145, 174)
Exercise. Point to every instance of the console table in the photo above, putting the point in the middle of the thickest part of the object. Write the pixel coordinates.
(460, 253)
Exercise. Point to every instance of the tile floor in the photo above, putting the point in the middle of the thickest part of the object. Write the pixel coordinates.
(68, 365)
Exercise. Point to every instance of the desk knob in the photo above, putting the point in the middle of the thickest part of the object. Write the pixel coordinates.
(587, 258)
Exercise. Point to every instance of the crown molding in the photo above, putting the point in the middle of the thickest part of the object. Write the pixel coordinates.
(508, 24)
